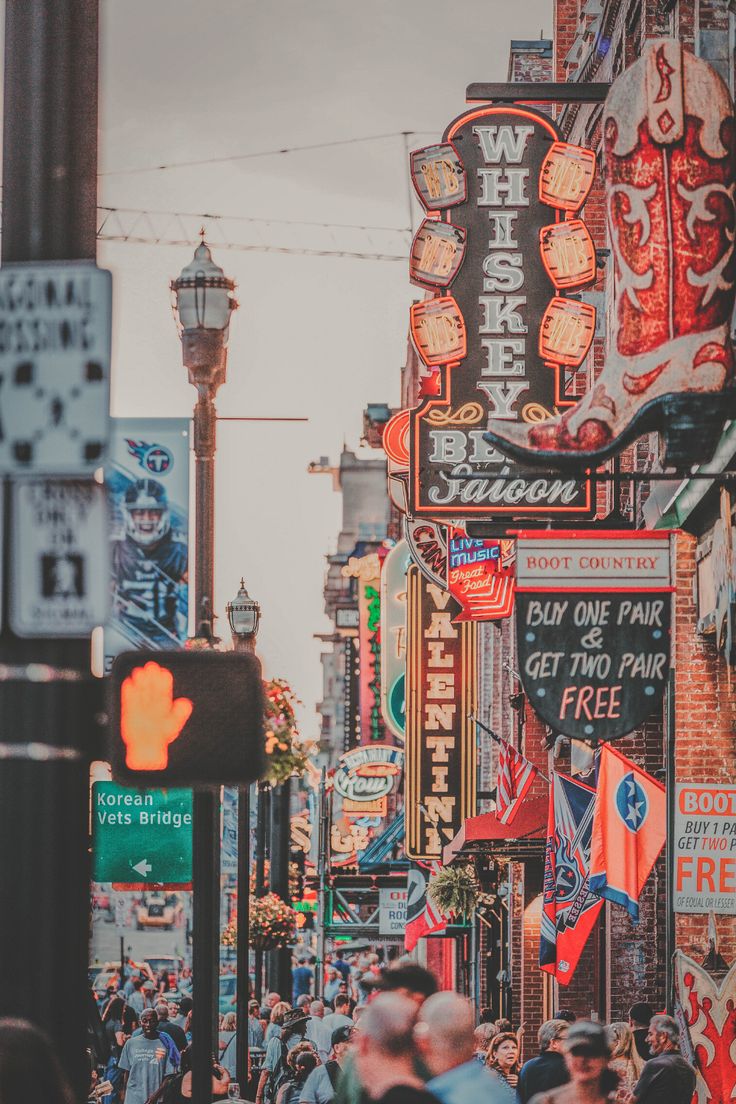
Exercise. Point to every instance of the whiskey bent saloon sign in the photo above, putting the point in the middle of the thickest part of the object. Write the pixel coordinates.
(440, 739)
(500, 257)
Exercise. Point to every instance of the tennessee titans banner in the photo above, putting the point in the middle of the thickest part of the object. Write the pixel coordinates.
(148, 484)
(569, 910)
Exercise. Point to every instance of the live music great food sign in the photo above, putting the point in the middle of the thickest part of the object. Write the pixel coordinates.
(500, 250)
(593, 619)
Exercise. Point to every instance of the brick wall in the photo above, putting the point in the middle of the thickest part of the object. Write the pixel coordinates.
(705, 725)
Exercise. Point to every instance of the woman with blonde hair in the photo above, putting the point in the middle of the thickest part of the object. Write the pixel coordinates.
(278, 1012)
(625, 1060)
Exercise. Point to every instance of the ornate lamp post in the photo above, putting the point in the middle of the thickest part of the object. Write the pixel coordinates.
(203, 301)
(244, 616)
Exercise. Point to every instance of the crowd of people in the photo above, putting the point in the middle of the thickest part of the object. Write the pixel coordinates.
(405, 1043)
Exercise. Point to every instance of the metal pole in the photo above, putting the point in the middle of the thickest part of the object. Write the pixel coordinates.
(49, 213)
(242, 965)
(264, 801)
(206, 804)
(324, 835)
(278, 968)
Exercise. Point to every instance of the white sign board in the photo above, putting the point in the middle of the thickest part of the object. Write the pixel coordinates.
(55, 337)
(392, 911)
(60, 562)
(705, 848)
(582, 563)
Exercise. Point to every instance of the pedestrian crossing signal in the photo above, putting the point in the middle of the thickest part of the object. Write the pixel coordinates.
(186, 719)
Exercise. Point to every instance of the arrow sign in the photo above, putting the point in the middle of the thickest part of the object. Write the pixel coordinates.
(143, 868)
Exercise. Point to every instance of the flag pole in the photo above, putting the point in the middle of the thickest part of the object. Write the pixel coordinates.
(500, 740)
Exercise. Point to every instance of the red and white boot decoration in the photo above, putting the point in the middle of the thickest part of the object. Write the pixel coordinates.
(670, 176)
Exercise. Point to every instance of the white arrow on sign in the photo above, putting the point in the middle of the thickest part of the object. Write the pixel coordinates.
(144, 868)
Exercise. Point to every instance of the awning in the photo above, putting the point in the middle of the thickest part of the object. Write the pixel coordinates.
(689, 493)
(523, 839)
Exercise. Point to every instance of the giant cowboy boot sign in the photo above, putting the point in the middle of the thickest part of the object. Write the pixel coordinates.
(668, 132)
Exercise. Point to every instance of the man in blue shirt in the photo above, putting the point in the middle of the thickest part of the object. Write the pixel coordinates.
(301, 980)
(444, 1038)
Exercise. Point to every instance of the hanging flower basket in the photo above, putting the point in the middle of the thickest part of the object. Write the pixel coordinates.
(456, 891)
(286, 754)
(272, 925)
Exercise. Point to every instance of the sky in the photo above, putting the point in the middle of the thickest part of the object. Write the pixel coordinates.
(227, 83)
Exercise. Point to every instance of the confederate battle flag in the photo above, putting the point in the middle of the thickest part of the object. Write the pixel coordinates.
(570, 910)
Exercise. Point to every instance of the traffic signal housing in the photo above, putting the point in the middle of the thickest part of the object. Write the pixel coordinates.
(187, 719)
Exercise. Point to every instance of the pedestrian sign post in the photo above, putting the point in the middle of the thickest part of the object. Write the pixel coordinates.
(55, 339)
(141, 836)
(60, 564)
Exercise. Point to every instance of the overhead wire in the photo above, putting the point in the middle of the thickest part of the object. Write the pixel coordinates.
(222, 159)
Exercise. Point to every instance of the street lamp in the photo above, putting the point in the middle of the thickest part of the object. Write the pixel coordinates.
(244, 616)
(203, 301)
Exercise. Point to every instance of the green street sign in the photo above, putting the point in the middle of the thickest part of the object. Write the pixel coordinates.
(141, 835)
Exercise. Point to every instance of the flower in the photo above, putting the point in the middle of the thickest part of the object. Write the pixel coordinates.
(287, 753)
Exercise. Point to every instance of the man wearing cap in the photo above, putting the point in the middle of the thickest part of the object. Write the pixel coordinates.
(319, 1088)
(666, 1078)
(274, 1064)
(587, 1053)
(338, 1018)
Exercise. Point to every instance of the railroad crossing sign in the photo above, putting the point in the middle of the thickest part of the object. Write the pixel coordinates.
(141, 835)
(59, 567)
(55, 338)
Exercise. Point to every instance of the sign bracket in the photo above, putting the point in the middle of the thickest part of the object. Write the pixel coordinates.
(545, 92)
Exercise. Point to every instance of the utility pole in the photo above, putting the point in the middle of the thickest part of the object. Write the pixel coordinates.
(47, 733)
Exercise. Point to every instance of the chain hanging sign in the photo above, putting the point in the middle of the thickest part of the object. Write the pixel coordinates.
(501, 250)
(593, 620)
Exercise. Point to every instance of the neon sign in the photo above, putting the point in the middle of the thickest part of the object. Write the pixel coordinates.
(500, 342)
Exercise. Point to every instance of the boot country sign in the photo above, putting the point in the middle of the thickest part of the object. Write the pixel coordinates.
(668, 136)
(501, 251)
(593, 617)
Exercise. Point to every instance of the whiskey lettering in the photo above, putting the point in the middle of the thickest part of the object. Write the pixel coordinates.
(503, 292)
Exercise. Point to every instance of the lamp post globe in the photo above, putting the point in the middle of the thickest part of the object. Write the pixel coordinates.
(244, 616)
(203, 300)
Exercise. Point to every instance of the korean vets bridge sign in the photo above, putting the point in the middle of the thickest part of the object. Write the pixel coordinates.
(141, 835)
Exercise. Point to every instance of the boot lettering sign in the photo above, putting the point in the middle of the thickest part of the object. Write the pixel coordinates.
(440, 741)
(593, 630)
(500, 330)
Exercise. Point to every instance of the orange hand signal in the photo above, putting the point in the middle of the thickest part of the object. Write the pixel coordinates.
(150, 719)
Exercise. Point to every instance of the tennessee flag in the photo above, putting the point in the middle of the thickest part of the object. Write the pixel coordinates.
(629, 827)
